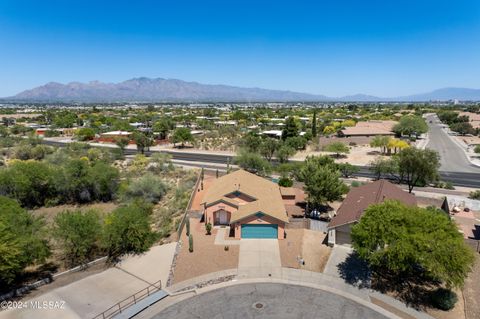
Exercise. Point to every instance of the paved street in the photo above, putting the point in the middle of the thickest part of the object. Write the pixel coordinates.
(270, 300)
(453, 158)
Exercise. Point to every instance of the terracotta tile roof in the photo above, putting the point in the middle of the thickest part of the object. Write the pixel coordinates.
(268, 199)
(359, 198)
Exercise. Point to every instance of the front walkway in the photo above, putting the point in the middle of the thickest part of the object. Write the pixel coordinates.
(221, 234)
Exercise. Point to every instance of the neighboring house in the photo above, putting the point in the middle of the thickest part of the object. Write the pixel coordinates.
(369, 128)
(111, 137)
(354, 205)
(253, 206)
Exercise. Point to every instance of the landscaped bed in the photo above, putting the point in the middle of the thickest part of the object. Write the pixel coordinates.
(206, 256)
(306, 244)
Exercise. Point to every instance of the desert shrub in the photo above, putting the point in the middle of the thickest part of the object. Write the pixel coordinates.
(443, 299)
(285, 182)
(208, 228)
(474, 194)
(148, 187)
(355, 184)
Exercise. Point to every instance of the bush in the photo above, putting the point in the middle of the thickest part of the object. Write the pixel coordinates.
(149, 188)
(285, 182)
(474, 194)
(77, 234)
(355, 184)
(128, 231)
(477, 149)
(443, 299)
(208, 228)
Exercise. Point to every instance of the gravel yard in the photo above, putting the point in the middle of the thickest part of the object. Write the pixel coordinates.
(206, 256)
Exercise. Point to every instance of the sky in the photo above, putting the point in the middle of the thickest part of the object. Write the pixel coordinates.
(332, 47)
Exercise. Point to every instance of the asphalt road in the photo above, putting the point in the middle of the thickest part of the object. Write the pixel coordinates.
(452, 156)
(269, 300)
(465, 179)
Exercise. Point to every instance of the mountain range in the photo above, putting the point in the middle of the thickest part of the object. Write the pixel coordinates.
(169, 90)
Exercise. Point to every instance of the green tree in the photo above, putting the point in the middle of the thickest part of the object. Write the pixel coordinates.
(182, 135)
(322, 181)
(268, 148)
(416, 166)
(291, 128)
(253, 163)
(85, 134)
(382, 167)
(78, 235)
(462, 128)
(31, 182)
(411, 125)
(284, 153)
(127, 231)
(404, 241)
(381, 142)
(22, 240)
(337, 148)
(251, 142)
(297, 142)
(163, 126)
(142, 141)
(314, 123)
(347, 169)
(122, 143)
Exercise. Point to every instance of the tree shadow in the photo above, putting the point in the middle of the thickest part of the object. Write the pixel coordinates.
(354, 271)
(414, 289)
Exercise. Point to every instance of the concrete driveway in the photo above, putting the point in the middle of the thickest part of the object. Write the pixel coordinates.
(258, 257)
(344, 264)
(92, 295)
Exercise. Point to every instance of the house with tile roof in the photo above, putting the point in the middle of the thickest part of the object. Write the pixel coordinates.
(354, 205)
(252, 206)
(369, 128)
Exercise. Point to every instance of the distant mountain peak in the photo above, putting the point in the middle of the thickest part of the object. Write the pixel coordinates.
(144, 89)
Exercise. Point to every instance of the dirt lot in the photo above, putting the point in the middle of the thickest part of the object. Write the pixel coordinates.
(49, 213)
(307, 244)
(359, 155)
(206, 256)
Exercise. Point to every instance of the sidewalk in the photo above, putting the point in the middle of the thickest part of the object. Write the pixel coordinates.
(92, 295)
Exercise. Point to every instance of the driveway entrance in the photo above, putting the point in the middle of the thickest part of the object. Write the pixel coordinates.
(260, 254)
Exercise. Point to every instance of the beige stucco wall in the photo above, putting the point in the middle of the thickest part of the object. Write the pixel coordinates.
(210, 212)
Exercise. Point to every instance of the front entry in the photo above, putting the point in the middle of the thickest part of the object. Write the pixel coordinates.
(221, 218)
